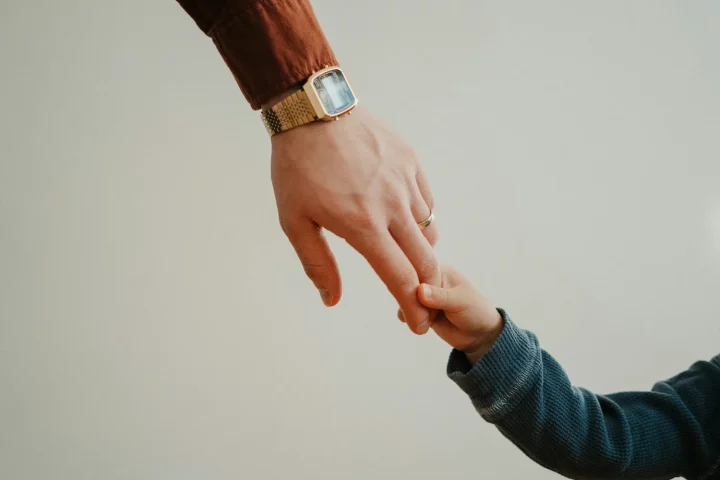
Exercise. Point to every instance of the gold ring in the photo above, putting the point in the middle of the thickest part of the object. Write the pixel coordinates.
(426, 223)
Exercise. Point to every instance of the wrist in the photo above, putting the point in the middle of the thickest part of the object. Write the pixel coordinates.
(325, 95)
(485, 343)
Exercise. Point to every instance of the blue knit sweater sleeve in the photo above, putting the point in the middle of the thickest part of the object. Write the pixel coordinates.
(672, 430)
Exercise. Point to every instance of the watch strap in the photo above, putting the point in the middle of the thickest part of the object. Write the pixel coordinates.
(291, 112)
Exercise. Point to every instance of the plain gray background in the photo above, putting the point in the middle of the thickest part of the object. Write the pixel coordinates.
(155, 323)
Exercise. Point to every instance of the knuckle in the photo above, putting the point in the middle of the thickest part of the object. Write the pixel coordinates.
(441, 294)
(314, 270)
(407, 279)
(430, 202)
(363, 217)
(429, 269)
(397, 203)
(407, 151)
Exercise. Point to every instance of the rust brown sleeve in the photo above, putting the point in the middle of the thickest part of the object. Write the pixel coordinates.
(269, 45)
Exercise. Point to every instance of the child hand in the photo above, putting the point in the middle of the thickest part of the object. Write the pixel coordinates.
(466, 321)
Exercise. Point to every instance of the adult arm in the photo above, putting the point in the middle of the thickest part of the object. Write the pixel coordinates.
(353, 177)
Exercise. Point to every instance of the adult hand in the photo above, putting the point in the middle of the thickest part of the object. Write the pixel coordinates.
(359, 180)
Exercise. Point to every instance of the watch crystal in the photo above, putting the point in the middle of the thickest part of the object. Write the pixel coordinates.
(334, 92)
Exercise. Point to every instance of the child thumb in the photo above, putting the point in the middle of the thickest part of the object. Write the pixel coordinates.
(438, 298)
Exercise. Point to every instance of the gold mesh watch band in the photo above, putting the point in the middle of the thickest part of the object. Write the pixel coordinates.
(292, 112)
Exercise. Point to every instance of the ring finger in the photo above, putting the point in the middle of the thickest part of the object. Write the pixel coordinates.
(421, 212)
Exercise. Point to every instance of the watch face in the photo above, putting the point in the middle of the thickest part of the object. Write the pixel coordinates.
(334, 92)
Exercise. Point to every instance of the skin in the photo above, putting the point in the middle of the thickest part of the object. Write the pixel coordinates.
(466, 319)
(357, 179)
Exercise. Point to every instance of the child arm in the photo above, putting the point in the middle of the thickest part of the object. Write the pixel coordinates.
(669, 431)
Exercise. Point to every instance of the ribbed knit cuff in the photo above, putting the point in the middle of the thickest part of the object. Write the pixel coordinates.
(502, 377)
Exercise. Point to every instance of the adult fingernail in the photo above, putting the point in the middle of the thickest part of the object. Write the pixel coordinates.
(427, 291)
(423, 327)
(326, 297)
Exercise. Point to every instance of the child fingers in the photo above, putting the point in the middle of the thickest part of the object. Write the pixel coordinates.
(448, 299)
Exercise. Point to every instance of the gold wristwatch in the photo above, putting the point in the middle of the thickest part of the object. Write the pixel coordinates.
(326, 95)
